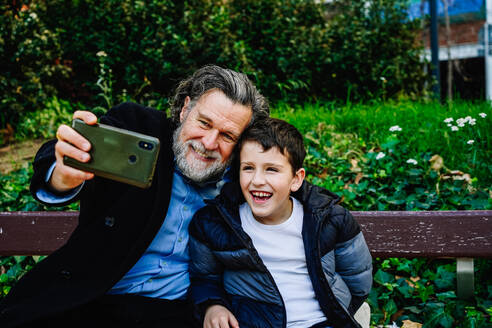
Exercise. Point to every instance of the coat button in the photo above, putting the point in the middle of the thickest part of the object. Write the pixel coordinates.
(66, 274)
(109, 221)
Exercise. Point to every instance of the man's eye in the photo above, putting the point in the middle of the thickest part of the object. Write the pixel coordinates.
(229, 138)
(204, 123)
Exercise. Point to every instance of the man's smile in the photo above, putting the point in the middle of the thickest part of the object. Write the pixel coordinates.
(201, 154)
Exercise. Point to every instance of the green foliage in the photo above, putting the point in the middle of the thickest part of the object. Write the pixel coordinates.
(15, 195)
(12, 268)
(343, 144)
(422, 290)
(30, 61)
(44, 122)
(295, 49)
(374, 53)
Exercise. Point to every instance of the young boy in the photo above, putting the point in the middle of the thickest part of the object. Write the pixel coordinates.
(274, 251)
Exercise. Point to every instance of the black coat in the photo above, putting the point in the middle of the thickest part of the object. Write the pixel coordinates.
(117, 223)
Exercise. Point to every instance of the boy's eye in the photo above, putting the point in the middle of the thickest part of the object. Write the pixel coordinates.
(247, 168)
(272, 169)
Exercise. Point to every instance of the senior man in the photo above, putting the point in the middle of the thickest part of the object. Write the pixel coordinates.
(126, 264)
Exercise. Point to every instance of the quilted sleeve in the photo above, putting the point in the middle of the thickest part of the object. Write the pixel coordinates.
(353, 263)
(205, 270)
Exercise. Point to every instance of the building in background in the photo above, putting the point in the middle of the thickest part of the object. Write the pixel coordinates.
(461, 45)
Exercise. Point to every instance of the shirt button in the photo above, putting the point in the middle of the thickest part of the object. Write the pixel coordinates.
(150, 280)
(65, 274)
(185, 208)
(109, 221)
(180, 239)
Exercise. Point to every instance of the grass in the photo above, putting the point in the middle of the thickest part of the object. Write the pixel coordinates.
(423, 130)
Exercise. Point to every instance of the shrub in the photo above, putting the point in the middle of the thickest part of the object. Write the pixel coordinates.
(296, 49)
(30, 61)
(374, 51)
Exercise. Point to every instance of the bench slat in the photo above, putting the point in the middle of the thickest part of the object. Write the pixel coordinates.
(428, 233)
(389, 234)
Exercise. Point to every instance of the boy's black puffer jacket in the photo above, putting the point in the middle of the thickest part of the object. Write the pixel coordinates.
(226, 269)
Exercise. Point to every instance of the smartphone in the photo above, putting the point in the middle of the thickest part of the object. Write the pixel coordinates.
(117, 154)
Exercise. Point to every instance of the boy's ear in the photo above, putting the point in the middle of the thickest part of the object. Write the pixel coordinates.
(298, 179)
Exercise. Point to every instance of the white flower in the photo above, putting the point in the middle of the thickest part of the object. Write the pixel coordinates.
(470, 142)
(454, 128)
(461, 121)
(380, 155)
(395, 128)
(450, 125)
(482, 115)
(412, 161)
(472, 121)
(33, 15)
(101, 54)
(448, 120)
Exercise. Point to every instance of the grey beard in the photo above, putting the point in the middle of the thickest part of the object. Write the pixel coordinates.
(196, 171)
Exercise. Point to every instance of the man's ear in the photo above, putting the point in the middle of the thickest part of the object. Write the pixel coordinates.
(185, 110)
(298, 179)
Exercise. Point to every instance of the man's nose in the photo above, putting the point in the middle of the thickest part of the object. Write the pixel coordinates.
(210, 139)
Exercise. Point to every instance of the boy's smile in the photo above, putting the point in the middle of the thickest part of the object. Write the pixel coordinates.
(266, 180)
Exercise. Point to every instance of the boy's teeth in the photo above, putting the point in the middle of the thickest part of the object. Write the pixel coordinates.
(261, 194)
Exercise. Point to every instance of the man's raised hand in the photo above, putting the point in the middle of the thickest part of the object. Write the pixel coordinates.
(71, 144)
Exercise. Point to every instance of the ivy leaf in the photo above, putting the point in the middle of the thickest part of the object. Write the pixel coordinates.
(382, 277)
(446, 320)
(390, 307)
(446, 295)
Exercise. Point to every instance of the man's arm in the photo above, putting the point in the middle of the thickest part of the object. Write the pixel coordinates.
(54, 183)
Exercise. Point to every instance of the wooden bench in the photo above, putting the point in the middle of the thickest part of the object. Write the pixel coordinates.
(463, 235)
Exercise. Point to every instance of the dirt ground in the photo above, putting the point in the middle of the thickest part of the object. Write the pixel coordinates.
(15, 155)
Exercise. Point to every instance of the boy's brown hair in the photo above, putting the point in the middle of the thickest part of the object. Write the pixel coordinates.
(272, 132)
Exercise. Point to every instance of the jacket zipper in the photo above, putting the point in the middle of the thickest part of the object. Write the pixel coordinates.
(257, 257)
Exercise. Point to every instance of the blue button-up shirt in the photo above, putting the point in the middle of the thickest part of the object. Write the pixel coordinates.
(162, 271)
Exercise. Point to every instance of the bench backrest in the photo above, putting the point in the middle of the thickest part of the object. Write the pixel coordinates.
(388, 234)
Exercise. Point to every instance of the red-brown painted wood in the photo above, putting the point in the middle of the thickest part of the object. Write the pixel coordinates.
(388, 234)
(428, 233)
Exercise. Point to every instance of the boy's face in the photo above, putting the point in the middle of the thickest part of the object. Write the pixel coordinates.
(266, 181)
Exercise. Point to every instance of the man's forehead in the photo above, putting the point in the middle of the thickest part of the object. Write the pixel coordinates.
(235, 117)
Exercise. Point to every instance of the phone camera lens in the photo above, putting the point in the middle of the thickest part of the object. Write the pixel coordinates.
(146, 145)
(132, 159)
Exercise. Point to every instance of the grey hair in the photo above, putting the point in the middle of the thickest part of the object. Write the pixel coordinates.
(236, 86)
